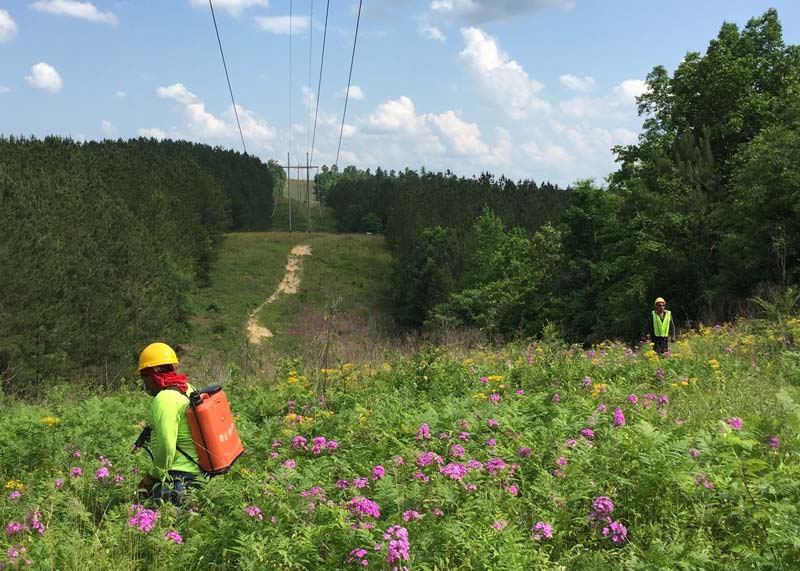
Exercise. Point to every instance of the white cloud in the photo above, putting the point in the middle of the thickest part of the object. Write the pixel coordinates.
(234, 7)
(206, 126)
(395, 115)
(575, 83)
(280, 24)
(152, 133)
(4, 89)
(482, 11)
(355, 93)
(81, 10)
(44, 77)
(431, 32)
(394, 125)
(120, 94)
(8, 27)
(620, 104)
(108, 128)
(348, 131)
(548, 154)
(503, 80)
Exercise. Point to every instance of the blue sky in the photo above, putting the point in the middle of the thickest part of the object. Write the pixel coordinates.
(538, 89)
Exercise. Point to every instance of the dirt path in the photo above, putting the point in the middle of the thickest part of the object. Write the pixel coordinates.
(289, 285)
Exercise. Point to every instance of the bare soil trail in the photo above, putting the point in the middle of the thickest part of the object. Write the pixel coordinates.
(288, 286)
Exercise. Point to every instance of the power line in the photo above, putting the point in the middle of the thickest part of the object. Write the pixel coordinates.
(227, 77)
(319, 84)
(349, 77)
(290, 79)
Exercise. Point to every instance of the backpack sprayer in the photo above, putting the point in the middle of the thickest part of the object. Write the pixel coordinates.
(214, 434)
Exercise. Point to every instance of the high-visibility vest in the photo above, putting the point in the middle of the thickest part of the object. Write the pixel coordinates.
(661, 328)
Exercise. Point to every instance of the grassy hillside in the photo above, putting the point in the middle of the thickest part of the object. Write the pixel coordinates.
(537, 456)
(343, 296)
(321, 216)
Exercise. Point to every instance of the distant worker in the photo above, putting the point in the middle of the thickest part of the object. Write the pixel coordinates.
(175, 463)
(660, 327)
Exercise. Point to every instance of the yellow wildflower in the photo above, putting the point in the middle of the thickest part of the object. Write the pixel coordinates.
(50, 420)
(494, 378)
(599, 388)
(15, 485)
(479, 396)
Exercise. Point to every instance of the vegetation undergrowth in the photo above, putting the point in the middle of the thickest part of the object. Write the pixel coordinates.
(542, 456)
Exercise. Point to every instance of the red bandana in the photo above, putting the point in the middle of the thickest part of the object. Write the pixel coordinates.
(170, 379)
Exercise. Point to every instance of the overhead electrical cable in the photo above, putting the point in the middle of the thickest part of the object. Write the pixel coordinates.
(349, 77)
(319, 83)
(227, 77)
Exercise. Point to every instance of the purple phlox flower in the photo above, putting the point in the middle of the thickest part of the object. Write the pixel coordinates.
(491, 442)
(587, 433)
(562, 461)
(13, 527)
(500, 525)
(254, 512)
(519, 392)
(101, 474)
(399, 460)
(601, 407)
(513, 490)
(358, 556)
(494, 397)
(299, 442)
(774, 442)
(360, 482)
(444, 436)
(289, 463)
(313, 492)
(76, 453)
(276, 444)
(398, 548)
(424, 433)
(59, 482)
(332, 445)
(143, 519)
(342, 484)
(421, 476)
(464, 436)
(274, 455)
(632, 398)
(694, 452)
(14, 495)
(76, 472)
(360, 505)
(484, 380)
(591, 354)
(494, 465)
(524, 452)
(602, 507)
(463, 423)
(556, 398)
(457, 451)
(454, 471)
(542, 529)
(619, 417)
(378, 472)
(427, 458)
(659, 373)
(587, 382)
(663, 399)
(409, 515)
(492, 422)
(475, 464)
(734, 422)
(173, 535)
(618, 532)
(570, 443)
(702, 480)
(437, 512)
(728, 350)
(470, 487)
(318, 444)
(104, 461)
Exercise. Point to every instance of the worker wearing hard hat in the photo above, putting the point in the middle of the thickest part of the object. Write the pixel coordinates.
(175, 467)
(660, 327)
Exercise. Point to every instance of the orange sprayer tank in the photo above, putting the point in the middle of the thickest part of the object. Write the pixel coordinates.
(214, 434)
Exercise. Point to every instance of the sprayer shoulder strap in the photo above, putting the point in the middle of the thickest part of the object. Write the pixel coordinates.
(178, 448)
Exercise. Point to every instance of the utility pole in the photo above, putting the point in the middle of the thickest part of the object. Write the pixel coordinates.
(308, 194)
(289, 188)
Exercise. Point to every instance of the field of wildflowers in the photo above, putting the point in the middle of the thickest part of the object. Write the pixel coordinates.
(540, 456)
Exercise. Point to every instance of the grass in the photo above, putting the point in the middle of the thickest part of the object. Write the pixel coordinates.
(322, 219)
(343, 297)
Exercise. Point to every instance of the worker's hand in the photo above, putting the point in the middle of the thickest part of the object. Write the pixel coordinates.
(146, 484)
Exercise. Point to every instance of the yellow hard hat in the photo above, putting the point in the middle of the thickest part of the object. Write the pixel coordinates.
(156, 354)
(659, 300)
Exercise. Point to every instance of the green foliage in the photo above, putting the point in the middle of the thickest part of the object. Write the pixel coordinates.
(511, 438)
